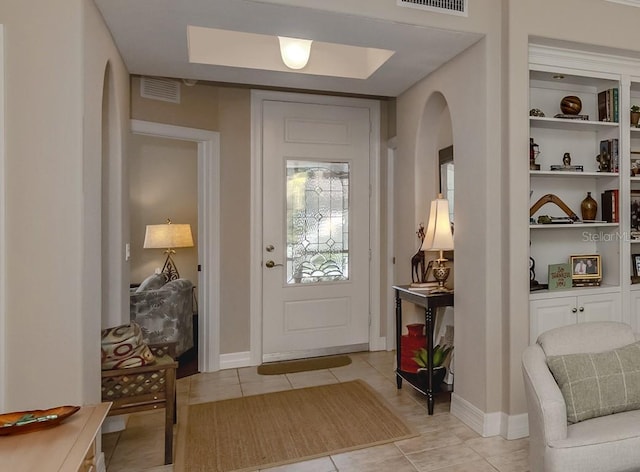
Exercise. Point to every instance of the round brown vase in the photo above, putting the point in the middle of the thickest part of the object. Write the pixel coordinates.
(635, 117)
(589, 208)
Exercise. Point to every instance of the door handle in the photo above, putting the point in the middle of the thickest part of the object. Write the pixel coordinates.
(574, 310)
(270, 264)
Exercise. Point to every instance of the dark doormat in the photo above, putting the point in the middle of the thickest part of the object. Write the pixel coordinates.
(303, 365)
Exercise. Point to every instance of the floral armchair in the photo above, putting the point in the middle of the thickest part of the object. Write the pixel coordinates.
(164, 311)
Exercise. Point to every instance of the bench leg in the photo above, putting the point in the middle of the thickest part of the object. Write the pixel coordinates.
(170, 412)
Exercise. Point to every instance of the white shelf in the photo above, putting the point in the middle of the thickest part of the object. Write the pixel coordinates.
(572, 225)
(570, 174)
(574, 291)
(569, 124)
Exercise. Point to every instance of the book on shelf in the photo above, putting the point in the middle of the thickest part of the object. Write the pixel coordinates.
(564, 116)
(567, 168)
(608, 109)
(610, 147)
(609, 200)
(586, 283)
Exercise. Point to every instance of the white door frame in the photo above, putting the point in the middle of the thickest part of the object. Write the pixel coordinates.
(392, 147)
(257, 98)
(208, 232)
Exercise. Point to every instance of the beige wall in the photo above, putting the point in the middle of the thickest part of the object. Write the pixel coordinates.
(163, 178)
(52, 295)
(228, 111)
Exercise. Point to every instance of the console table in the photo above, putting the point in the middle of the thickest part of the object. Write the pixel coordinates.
(430, 302)
(67, 447)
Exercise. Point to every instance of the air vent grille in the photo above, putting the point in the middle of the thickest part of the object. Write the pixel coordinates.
(160, 89)
(452, 7)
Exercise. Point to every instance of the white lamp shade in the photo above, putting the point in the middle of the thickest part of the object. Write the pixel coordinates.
(438, 236)
(168, 236)
(295, 52)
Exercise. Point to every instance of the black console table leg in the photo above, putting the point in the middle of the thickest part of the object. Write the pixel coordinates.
(398, 337)
(428, 318)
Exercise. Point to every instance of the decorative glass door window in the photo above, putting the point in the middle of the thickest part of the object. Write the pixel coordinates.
(317, 221)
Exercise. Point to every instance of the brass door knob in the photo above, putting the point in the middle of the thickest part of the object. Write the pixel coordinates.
(270, 264)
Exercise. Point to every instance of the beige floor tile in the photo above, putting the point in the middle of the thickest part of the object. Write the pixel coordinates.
(473, 466)
(109, 443)
(496, 445)
(428, 441)
(312, 378)
(222, 377)
(517, 461)
(250, 374)
(214, 393)
(322, 464)
(277, 384)
(383, 458)
(435, 459)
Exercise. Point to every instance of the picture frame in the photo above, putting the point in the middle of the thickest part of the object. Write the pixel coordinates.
(634, 205)
(635, 264)
(586, 267)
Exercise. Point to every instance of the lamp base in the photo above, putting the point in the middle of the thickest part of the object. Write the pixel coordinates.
(441, 274)
(169, 269)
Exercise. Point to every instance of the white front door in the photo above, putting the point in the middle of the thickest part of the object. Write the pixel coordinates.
(315, 252)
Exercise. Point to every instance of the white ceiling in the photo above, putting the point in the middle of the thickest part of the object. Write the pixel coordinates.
(152, 38)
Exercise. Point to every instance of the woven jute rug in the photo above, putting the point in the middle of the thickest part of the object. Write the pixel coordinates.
(303, 365)
(260, 431)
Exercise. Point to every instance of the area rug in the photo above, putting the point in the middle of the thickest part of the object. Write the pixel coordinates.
(261, 431)
(303, 365)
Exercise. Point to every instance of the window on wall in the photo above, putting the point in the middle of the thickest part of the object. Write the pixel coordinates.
(446, 177)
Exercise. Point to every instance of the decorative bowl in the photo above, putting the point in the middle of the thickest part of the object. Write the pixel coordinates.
(34, 420)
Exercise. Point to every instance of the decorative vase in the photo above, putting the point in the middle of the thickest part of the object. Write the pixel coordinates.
(571, 105)
(589, 208)
(635, 117)
(411, 342)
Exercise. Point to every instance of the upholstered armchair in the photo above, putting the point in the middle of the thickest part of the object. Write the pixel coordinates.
(164, 311)
(582, 384)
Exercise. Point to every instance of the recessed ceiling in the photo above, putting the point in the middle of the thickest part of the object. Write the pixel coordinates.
(153, 38)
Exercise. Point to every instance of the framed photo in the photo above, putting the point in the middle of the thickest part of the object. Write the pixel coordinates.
(586, 267)
(635, 261)
(635, 209)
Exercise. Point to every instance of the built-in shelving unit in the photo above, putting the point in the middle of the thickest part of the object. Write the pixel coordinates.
(554, 74)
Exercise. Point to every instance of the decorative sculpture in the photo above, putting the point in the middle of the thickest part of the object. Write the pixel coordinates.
(418, 269)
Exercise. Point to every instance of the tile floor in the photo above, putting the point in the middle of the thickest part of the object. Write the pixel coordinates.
(445, 443)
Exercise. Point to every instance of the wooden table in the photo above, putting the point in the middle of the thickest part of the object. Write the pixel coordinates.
(430, 302)
(67, 447)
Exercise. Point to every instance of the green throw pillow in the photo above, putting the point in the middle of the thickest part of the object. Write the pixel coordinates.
(598, 384)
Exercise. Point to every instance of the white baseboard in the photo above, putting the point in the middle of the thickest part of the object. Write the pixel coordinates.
(489, 424)
(101, 465)
(379, 344)
(235, 360)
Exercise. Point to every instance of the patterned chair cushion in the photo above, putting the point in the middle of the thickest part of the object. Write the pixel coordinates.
(122, 347)
(598, 384)
(153, 282)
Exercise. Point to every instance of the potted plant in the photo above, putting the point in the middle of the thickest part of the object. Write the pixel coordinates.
(440, 355)
(635, 115)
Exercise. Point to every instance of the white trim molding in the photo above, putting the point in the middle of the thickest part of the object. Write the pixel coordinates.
(258, 97)
(208, 231)
(489, 424)
(235, 360)
(3, 251)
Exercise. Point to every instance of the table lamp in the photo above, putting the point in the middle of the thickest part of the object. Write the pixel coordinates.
(439, 237)
(168, 236)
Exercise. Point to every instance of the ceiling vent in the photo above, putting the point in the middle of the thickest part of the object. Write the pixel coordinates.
(452, 7)
(160, 89)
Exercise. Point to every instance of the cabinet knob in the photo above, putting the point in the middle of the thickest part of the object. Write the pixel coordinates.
(574, 310)
(581, 309)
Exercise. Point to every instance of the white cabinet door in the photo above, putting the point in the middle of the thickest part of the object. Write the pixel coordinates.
(550, 313)
(602, 307)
